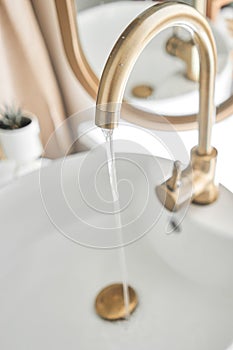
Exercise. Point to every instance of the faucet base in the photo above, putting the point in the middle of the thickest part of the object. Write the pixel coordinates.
(207, 197)
(204, 169)
(194, 184)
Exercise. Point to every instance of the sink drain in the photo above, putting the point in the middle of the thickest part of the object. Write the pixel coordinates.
(142, 91)
(109, 302)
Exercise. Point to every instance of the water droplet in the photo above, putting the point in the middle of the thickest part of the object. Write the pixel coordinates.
(121, 64)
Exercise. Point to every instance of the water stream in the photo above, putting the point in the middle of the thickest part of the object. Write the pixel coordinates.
(116, 212)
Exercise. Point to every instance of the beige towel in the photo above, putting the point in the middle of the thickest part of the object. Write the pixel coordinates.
(27, 79)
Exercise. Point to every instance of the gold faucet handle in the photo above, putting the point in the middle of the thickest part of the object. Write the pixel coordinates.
(169, 191)
(174, 182)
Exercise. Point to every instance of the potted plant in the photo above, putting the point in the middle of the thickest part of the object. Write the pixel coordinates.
(19, 136)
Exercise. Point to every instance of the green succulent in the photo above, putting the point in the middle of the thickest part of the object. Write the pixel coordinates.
(12, 118)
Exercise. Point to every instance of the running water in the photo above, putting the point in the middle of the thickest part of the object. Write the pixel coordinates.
(116, 204)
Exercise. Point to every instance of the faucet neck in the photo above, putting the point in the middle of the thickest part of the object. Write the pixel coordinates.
(132, 42)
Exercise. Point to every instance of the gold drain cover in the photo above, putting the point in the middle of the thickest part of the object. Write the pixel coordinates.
(142, 91)
(109, 303)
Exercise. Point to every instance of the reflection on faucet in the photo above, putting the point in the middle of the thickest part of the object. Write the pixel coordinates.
(185, 49)
(200, 174)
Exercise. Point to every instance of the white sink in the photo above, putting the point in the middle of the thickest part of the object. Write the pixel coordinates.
(48, 283)
(100, 27)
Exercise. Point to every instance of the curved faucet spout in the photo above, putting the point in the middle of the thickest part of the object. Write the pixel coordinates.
(200, 173)
(132, 42)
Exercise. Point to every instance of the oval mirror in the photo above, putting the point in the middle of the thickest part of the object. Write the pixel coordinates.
(160, 83)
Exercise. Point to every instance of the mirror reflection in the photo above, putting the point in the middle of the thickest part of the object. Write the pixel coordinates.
(160, 82)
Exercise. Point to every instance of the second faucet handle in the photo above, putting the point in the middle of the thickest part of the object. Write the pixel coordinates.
(174, 182)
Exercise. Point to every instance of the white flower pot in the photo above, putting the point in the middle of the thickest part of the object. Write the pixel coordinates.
(22, 145)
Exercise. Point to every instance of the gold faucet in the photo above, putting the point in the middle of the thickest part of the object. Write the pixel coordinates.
(200, 174)
(185, 49)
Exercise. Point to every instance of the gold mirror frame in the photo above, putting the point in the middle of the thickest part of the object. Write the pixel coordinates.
(66, 14)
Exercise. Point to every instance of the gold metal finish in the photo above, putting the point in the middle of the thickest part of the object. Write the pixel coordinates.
(132, 42)
(186, 51)
(109, 303)
(67, 14)
(142, 91)
(197, 180)
(195, 183)
(174, 182)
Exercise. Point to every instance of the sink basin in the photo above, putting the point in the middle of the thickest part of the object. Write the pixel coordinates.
(100, 27)
(56, 235)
